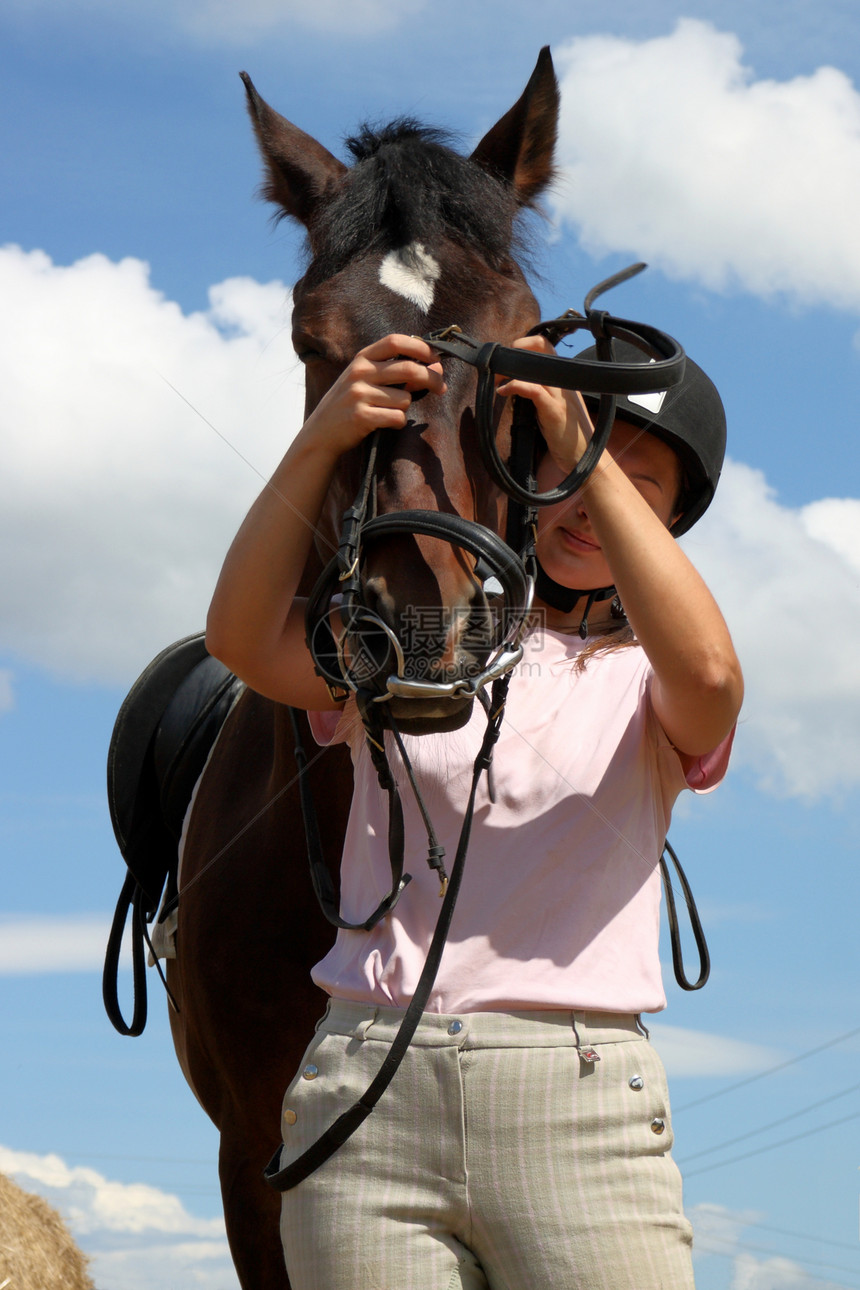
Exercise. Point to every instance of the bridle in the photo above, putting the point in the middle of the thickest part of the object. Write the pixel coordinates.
(605, 377)
(348, 664)
(367, 657)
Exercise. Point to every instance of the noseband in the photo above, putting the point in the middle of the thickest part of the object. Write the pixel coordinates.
(368, 657)
(349, 663)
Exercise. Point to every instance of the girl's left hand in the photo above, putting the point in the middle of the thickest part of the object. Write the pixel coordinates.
(562, 415)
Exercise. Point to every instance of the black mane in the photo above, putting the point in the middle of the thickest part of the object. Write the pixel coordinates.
(407, 185)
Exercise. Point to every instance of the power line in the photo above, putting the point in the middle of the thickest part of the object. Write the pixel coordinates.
(774, 1124)
(781, 1066)
(804, 1236)
(784, 1142)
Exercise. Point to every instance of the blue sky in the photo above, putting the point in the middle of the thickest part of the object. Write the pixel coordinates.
(719, 142)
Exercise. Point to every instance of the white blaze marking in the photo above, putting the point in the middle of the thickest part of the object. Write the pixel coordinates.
(411, 272)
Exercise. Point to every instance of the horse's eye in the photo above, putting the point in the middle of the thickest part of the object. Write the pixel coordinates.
(307, 347)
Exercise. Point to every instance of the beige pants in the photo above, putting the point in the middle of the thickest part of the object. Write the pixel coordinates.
(512, 1151)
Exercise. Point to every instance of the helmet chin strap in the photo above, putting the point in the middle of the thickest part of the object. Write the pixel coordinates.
(564, 599)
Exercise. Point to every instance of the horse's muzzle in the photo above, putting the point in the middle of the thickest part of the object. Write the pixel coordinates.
(437, 655)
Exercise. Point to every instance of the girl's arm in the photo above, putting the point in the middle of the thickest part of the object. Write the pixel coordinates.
(698, 686)
(255, 623)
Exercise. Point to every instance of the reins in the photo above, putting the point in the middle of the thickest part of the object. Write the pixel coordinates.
(347, 1123)
(349, 664)
(674, 930)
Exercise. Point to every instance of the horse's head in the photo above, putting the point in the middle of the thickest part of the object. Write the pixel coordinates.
(412, 237)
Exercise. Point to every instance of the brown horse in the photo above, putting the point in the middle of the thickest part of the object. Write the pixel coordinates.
(411, 237)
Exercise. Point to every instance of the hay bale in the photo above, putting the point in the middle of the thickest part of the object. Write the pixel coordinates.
(36, 1248)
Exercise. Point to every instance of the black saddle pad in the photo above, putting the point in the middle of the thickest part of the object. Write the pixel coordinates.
(162, 736)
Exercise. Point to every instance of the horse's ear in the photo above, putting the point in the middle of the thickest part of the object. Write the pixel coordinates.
(300, 171)
(520, 146)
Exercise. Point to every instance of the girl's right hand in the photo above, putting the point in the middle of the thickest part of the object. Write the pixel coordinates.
(562, 415)
(374, 392)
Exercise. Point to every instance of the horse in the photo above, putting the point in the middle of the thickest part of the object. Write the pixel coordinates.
(410, 237)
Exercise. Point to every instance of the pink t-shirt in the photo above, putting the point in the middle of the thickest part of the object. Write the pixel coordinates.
(559, 905)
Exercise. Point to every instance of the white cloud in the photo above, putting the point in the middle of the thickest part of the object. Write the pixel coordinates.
(132, 1231)
(787, 580)
(119, 500)
(695, 1052)
(777, 1273)
(195, 1265)
(35, 945)
(718, 1231)
(675, 153)
(835, 522)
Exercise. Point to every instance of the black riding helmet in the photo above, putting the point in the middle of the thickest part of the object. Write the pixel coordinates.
(690, 418)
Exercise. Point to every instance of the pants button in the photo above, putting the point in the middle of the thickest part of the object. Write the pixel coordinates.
(455, 1027)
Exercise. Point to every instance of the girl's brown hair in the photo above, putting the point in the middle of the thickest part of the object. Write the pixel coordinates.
(615, 635)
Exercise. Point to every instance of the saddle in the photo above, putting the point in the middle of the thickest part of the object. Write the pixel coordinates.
(161, 739)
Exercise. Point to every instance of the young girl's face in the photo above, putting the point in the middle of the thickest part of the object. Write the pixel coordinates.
(567, 547)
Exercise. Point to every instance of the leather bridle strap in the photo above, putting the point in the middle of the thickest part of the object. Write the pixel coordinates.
(498, 470)
(574, 373)
(603, 376)
(320, 875)
(347, 1123)
(489, 550)
(674, 930)
(131, 899)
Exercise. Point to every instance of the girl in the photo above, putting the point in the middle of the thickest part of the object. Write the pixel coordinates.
(524, 1142)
